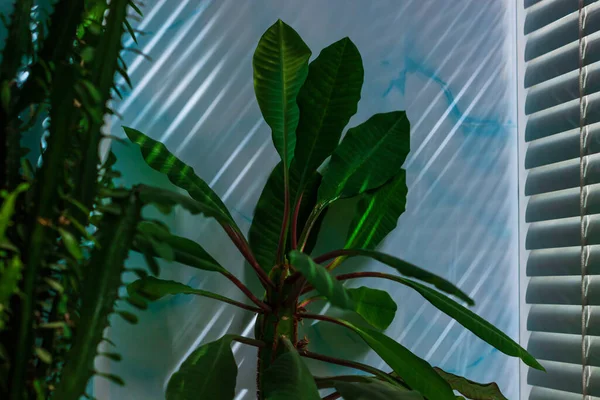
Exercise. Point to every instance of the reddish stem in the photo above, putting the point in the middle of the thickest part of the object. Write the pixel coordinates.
(346, 363)
(295, 222)
(322, 318)
(240, 242)
(250, 341)
(247, 292)
(309, 300)
(332, 254)
(354, 275)
(243, 306)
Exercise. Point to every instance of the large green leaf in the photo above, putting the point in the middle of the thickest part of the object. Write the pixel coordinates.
(186, 251)
(377, 214)
(410, 270)
(473, 390)
(374, 389)
(210, 372)
(288, 378)
(375, 306)
(180, 174)
(268, 214)
(327, 101)
(368, 156)
(280, 66)
(416, 372)
(473, 322)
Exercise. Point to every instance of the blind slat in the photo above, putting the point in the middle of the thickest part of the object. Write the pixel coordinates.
(562, 61)
(562, 233)
(563, 348)
(561, 118)
(562, 319)
(562, 204)
(562, 376)
(561, 290)
(562, 175)
(548, 11)
(539, 393)
(561, 32)
(562, 89)
(561, 147)
(562, 261)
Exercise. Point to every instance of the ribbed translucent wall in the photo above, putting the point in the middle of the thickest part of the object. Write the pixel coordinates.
(449, 64)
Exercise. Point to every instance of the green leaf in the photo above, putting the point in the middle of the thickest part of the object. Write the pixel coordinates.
(71, 244)
(280, 64)
(44, 355)
(410, 270)
(162, 249)
(169, 199)
(368, 156)
(322, 280)
(268, 214)
(180, 174)
(473, 322)
(208, 373)
(10, 275)
(374, 389)
(327, 101)
(377, 214)
(129, 317)
(8, 208)
(186, 251)
(288, 378)
(473, 390)
(154, 289)
(376, 306)
(416, 372)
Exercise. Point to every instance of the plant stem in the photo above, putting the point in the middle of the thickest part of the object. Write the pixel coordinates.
(381, 275)
(240, 242)
(247, 292)
(295, 222)
(312, 218)
(332, 254)
(346, 363)
(310, 300)
(326, 382)
(321, 318)
(286, 218)
(250, 341)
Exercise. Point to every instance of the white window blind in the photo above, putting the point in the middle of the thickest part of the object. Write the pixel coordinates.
(562, 187)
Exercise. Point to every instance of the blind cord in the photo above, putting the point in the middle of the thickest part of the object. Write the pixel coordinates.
(582, 211)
